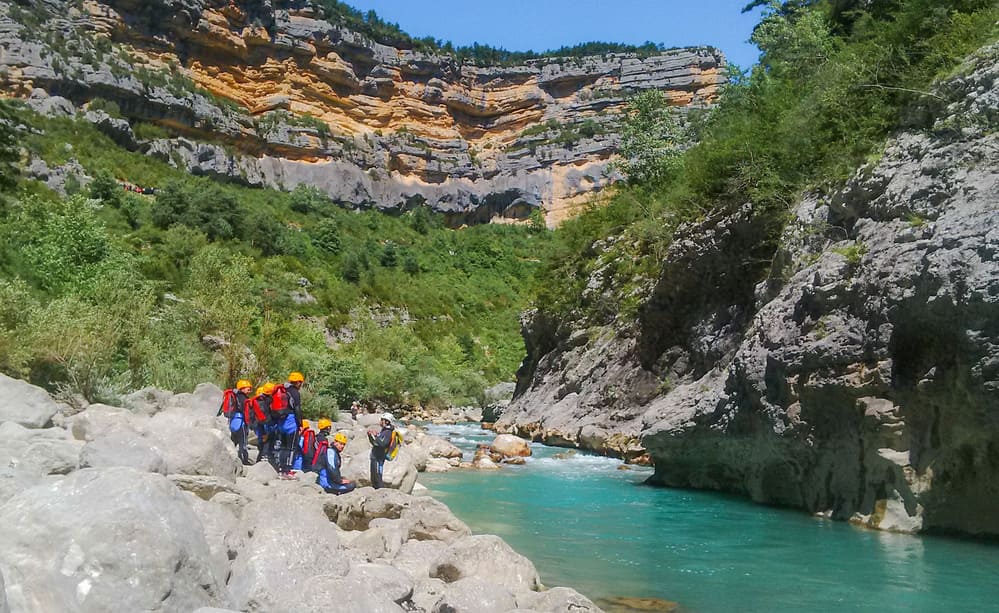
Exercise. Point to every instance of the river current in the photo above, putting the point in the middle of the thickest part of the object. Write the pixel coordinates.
(588, 525)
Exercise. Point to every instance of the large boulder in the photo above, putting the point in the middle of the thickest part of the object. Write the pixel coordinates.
(204, 401)
(53, 456)
(196, 451)
(557, 600)
(148, 401)
(4, 607)
(425, 518)
(25, 404)
(12, 431)
(488, 557)
(113, 539)
(475, 595)
(99, 420)
(286, 541)
(122, 448)
(415, 557)
(510, 446)
(438, 447)
(400, 473)
(220, 527)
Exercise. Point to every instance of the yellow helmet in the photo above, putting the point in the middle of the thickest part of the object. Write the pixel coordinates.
(325, 423)
(306, 424)
(268, 388)
(243, 383)
(296, 377)
(260, 390)
(340, 438)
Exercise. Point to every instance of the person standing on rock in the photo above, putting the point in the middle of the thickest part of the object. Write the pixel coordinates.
(258, 410)
(286, 413)
(355, 408)
(305, 448)
(380, 442)
(328, 462)
(235, 409)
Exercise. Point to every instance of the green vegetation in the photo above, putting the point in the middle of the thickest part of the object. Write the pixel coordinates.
(386, 33)
(836, 78)
(106, 291)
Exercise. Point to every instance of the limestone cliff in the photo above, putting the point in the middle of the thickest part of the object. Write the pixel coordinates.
(272, 93)
(859, 379)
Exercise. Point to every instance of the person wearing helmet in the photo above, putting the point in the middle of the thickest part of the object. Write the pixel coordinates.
(263, 423)
(306, 448)
(380, 441)
(328, 462)
(234, 408)
(286, 411)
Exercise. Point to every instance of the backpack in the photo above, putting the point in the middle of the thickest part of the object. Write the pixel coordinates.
(395, 442)
(279, 402)
(309, 442)
(322, 446)
(254, 413)
(228, 403)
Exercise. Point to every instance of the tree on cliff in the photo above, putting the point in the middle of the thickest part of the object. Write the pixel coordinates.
(9, 154)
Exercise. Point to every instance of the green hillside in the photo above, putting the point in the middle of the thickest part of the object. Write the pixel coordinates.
(107, 290)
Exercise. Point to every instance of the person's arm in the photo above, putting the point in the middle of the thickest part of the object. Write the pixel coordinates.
(383, 439)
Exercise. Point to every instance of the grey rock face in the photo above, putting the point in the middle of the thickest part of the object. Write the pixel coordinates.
(284, 541)
(486, 557)
(25, 404)
(129, 541)
(475, 595)
(122, 448)
(364, 157)
(855, 380)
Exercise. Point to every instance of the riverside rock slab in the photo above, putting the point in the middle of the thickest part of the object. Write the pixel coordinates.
(25, 404)
(286, 542)
(475, 595)
(129, 541)
(486, 556)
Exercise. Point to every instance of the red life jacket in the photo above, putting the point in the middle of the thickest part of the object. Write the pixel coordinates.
(229, 403)
(308, 442)
(322, 446)
(279, 402)
(254, 414)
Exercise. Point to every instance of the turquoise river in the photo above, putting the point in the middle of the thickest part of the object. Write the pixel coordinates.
(588, 525)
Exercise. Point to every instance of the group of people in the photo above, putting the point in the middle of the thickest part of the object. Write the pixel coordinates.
(286, 440)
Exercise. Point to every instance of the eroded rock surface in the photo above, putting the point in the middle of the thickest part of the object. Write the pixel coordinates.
(857, 380)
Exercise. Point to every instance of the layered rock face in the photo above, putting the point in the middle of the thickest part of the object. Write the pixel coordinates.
(859, 380)
(271, 93)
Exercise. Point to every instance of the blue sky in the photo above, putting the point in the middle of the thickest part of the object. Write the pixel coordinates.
(519, 25)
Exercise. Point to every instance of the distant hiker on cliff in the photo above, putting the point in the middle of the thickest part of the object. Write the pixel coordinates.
(382, 443)
(286, 414)
(355, 408)
(235, 409)
(328, 462)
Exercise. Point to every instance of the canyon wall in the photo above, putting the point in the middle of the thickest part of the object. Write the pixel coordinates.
(859, 379)
(273, 93)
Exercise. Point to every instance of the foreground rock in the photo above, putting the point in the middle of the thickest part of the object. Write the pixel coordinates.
(103, 540)
(84, 533)
(25, 404)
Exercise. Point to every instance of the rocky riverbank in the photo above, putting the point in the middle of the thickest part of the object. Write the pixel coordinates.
(146, 507)
(849, 370)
